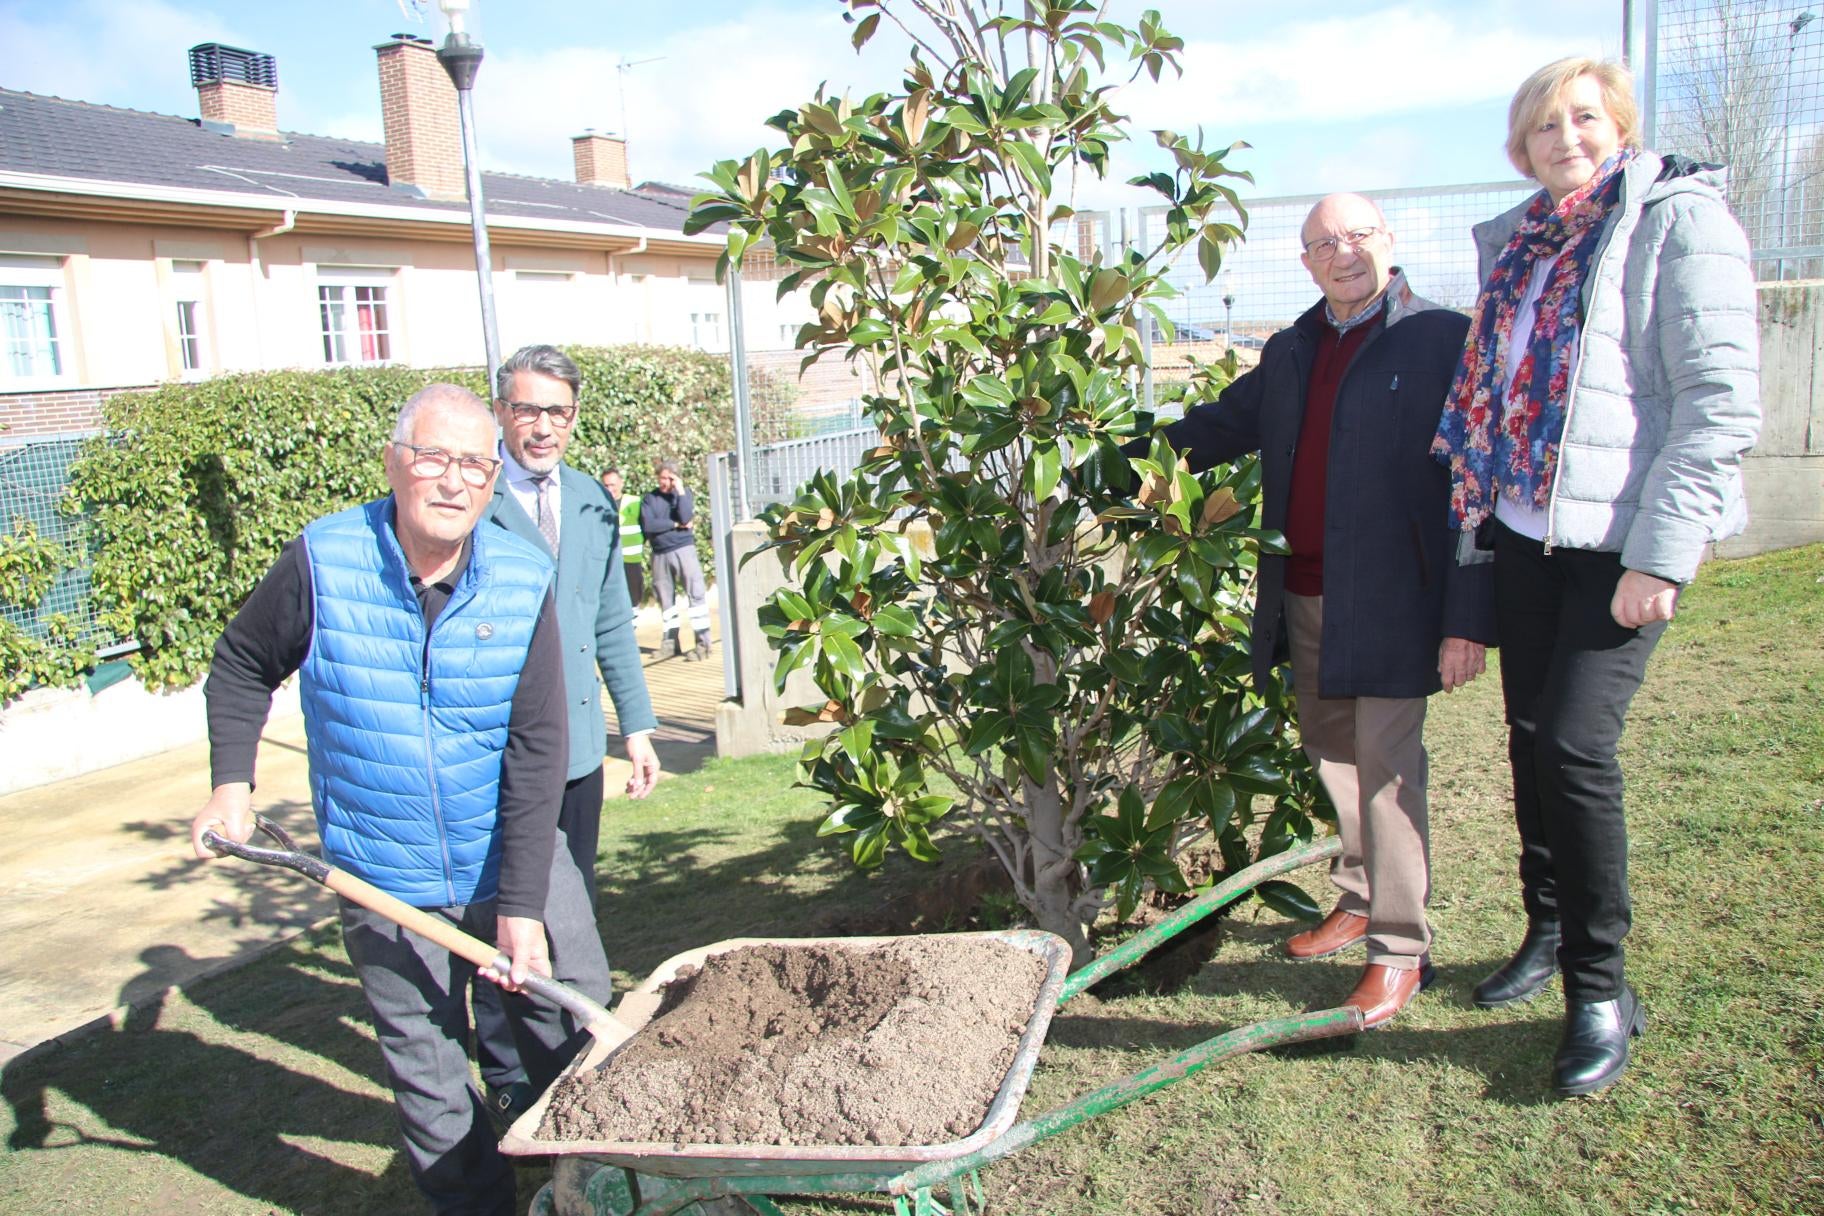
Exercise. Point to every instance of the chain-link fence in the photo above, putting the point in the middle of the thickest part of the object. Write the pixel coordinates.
(1263, 287)
(33, 475)
(1742, 85)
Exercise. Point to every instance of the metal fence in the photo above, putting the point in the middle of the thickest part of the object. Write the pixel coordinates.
(743, 483)
(1262, 287)
(33, 475)
(1742, 85)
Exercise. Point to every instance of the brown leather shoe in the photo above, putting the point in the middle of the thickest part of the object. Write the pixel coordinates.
(1339, 931)
(1383, 991)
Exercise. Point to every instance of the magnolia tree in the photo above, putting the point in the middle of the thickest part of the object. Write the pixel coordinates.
(1011, 623)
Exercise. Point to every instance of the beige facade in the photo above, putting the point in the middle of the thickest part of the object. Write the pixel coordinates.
(133, 303)
(116, 276)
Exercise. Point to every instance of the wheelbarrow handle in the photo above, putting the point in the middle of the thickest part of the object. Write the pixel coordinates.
(597, 1019)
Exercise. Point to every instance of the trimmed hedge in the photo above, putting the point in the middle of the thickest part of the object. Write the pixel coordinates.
(198, 486)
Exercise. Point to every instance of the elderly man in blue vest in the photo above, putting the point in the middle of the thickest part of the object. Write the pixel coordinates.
(431, 671)
(570, 517)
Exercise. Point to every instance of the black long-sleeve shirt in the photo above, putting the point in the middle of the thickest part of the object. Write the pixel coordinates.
(663, 516)
(268, 640)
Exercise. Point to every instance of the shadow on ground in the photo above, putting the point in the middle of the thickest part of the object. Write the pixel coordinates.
(253, 1081)
(262, 895)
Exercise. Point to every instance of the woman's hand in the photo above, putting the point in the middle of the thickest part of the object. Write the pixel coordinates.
(1641, 598)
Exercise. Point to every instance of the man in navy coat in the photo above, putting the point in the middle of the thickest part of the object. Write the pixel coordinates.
(569, 515)
(1370, 606)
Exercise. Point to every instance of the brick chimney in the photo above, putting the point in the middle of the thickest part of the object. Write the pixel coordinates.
(236, 91)
(601, 160)
(423, 128)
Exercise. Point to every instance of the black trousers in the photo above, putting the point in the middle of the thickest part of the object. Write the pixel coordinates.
(636, 582)
(1568, 673)
(580, 820)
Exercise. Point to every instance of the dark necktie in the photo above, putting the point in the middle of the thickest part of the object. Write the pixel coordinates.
(547, 519)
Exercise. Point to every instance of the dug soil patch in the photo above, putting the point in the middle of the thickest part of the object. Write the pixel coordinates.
(891, 1043)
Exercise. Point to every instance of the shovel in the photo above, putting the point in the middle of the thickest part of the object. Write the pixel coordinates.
(597, 1020)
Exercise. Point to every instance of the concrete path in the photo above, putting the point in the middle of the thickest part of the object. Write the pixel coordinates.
(102, 906)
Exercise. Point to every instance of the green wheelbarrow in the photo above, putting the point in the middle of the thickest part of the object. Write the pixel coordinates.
(646, 1179)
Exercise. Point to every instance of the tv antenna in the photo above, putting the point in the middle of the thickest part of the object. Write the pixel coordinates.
(620, 70)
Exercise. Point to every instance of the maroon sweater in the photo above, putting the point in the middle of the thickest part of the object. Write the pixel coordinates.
(1311, 463)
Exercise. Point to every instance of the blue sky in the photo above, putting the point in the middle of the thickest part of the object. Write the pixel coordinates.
(1332, 95)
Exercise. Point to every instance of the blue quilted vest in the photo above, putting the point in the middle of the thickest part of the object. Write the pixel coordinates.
(406, 741)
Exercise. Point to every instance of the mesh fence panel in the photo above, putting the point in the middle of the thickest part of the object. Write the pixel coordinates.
(33, 474)
(780, 469)
(1269, 287)
(1742, 85)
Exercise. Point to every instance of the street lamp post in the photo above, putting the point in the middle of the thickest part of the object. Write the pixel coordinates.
(460, 56)
(1228, 321)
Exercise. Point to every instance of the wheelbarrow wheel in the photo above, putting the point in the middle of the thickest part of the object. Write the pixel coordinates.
(728, 1205)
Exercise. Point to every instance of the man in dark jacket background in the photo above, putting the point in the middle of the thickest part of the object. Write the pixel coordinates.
(1370, 607)
(668, 518)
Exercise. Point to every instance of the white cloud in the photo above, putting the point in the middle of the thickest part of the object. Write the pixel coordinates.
(128, 53)
(1395, 62)
(704, 95)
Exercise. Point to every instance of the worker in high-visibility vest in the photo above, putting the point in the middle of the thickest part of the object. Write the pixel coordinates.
(633, 541)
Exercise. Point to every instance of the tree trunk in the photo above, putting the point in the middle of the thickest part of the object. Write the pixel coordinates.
(1057, 876)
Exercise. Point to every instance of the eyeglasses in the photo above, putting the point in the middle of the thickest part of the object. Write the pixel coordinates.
(435, 462)
(525, 413)
(1324, 248)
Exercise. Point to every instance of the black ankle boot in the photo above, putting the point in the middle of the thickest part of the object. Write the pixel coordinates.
(1524, 976)
(1594, 1050)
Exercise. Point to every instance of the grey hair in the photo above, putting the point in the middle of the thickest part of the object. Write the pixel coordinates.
(666, 466)
(436, 394)
(539, 360)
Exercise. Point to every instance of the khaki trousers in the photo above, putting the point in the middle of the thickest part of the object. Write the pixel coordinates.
(1370, 754)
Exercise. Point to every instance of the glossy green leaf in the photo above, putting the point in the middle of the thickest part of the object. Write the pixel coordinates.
(1288, 900)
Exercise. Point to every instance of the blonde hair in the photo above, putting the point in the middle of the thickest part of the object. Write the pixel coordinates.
(1549, 83)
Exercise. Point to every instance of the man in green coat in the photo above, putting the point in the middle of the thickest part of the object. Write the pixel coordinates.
(565, 512)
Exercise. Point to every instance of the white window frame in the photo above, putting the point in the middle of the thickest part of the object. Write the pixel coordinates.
(351, 284)
(708, 314)
(39, 272)
(190, 302)
(708, 324)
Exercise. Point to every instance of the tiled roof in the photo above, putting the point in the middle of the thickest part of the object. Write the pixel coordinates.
(76, 139)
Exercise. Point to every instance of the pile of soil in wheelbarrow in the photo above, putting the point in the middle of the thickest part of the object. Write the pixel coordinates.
(890, 1043)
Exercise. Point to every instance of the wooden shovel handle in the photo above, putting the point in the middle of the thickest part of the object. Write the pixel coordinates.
(432, 928)
(466, 946)
(598, 1020)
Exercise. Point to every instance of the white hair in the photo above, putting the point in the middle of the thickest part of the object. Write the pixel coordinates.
(453, 395)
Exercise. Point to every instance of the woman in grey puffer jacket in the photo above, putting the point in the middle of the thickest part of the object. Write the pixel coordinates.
(1594, 432)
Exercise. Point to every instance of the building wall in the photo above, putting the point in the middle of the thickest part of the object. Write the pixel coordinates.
(1784, 474)
(118, 287)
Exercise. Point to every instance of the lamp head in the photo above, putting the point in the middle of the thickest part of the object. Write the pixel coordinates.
(457, 13)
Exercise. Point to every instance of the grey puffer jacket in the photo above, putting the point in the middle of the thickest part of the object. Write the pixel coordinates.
(1665, 397)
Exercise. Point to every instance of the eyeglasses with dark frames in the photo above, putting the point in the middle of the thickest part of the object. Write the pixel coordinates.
(1324, 248)
(525, 413)
(434, 462)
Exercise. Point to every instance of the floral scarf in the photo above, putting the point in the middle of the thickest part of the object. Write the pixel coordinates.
(1516, 452)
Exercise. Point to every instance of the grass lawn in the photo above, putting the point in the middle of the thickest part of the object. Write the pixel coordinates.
(258, 1091)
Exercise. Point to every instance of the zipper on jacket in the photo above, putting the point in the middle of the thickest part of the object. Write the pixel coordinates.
(1583, 334)
(430, 762)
